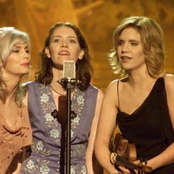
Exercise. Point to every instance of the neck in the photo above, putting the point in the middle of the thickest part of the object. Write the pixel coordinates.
(57, 88)
(57, 92)
(57, 74)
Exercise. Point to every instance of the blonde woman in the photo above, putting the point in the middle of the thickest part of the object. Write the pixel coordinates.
(15, 131)
(140, 103)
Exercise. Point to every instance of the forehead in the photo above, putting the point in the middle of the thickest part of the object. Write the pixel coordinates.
(20, 43)
(130, 33)
(64, 31)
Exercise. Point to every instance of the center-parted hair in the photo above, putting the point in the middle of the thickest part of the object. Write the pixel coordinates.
(84, 68)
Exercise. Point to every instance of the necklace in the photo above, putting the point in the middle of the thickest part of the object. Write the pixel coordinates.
(57, 92)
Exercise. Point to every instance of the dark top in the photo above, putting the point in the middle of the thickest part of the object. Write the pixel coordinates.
(149, 127)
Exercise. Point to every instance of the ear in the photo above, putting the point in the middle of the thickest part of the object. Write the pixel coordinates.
(81, 54)
(47, 52)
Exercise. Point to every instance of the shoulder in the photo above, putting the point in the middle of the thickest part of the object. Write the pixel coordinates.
(30, 83)
(95, 89)
(117, 83)
(33, 85)
(169, 82)
(113, 84)
(29, 86)
(169, 79)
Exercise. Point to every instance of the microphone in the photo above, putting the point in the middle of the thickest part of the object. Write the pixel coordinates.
(69, 74)
(69, 69)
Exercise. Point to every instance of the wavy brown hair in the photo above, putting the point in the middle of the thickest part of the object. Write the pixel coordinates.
(84, 68)
(152, 38)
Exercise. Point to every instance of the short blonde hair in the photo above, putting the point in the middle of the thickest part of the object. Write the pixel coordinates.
(152, 41)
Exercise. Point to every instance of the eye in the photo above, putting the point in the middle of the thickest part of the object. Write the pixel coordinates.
(72, 41)
(119, 43)
(134, 43)
(16, 51)
(57, 40)
(27, 51)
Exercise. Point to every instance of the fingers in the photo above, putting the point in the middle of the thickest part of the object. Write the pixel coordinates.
(124, 170)
(137, 162)
(117, 172)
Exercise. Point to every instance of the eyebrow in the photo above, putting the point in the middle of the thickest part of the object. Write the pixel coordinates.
(130, 40)
(18, 46)
(68, 36)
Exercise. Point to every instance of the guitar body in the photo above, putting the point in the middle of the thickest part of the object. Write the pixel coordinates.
(124, 154)
(123, 148)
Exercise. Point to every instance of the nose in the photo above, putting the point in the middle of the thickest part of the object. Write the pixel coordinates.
(125, 48)
(64, 44)
(26, 55)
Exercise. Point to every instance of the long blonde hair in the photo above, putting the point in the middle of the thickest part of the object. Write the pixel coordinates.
(9, 37)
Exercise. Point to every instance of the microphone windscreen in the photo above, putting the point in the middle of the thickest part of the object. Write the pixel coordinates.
(69, 69)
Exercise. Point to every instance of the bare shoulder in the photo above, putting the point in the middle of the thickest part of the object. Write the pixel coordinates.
(117, 83)
(169, 82)
(100, 94)
(112, 86)
(169, 79)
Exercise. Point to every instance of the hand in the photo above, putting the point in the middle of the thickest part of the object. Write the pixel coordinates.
(116, 172)
(125, 170)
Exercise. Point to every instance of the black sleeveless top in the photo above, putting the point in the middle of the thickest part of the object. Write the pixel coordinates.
(149, 127)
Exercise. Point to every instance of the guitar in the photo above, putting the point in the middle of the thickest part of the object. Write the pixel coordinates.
(124, 154)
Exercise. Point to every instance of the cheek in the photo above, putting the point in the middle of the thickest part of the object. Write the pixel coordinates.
(118, 50)
(118, 53)
(76, 54)
(140, 55)
(11, 62)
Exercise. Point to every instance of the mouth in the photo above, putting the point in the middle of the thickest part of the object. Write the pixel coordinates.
(64, 53)
(25, 64)
(124, 58)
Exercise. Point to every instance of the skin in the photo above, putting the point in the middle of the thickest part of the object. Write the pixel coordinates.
(17, 65)
(64, 46)
(134, 90)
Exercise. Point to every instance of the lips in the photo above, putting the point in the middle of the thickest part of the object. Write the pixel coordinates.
(25, 64)
(64, 53)
(125, 57)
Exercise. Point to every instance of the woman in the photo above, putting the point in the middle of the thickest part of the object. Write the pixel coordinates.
(140, 103)
(64, 42)
(15, 131)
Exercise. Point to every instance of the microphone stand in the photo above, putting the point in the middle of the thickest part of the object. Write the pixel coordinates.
(68, 84)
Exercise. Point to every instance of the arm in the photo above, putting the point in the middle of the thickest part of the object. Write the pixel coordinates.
(90, 148)
(106, 126)
(167, 156)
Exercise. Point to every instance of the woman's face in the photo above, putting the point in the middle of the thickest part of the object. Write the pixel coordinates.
(130, 49)
(64, 45)
(18, 61)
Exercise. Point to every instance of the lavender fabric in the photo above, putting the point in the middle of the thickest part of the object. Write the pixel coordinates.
(46, 147)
